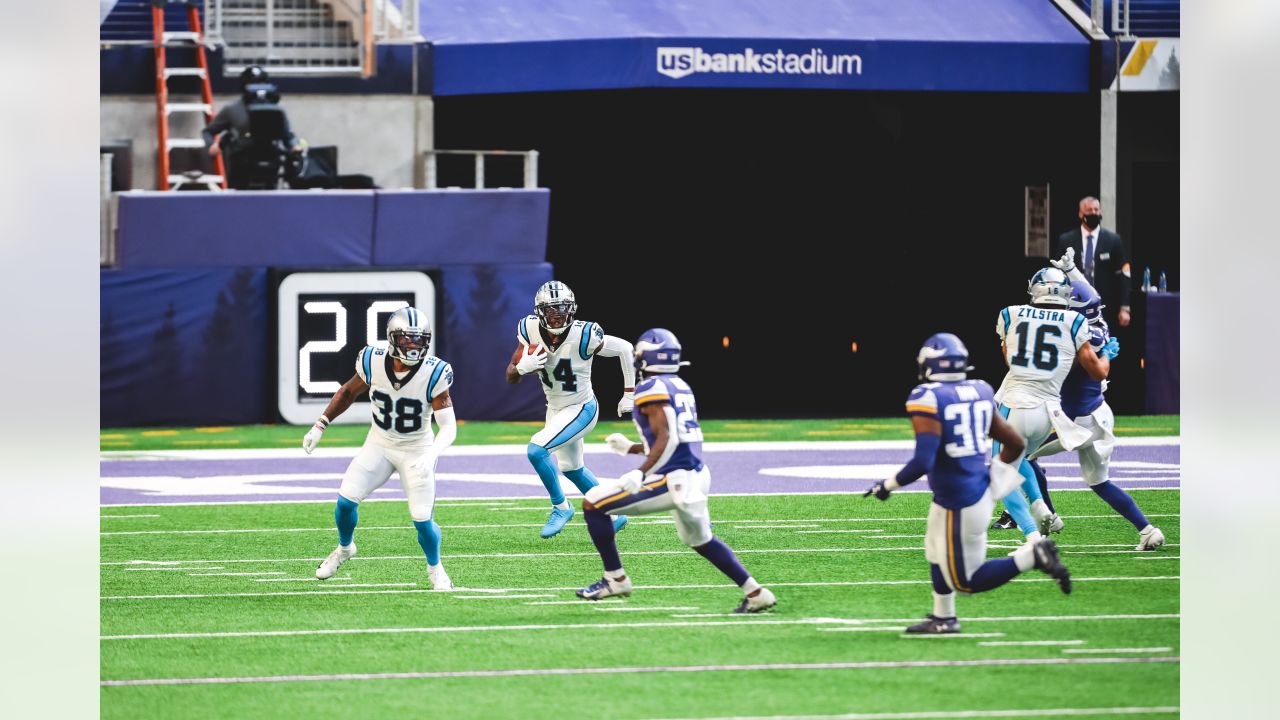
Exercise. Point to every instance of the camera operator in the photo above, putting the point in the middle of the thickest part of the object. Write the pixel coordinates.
(229, 132)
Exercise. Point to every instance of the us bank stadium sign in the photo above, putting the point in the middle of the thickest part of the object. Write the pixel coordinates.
(680, 62)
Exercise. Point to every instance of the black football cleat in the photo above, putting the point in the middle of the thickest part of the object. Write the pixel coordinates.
(1047, 560)
(1004, 522)
(934, 625)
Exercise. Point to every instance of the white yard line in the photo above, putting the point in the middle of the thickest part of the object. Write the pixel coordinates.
(572, 602)
(885, 628)
(961, 714)
(499, 597)
(1104, 651)
(123, 517)
(537, 672)
(293, 453)
(741, 620)
(305, 579)
(1158, 557)
(234, 574)
(171, 569)
(1028, 643)
(775, 527)
(851, 583)
(644, 609)
(840, 532)
(915, 636)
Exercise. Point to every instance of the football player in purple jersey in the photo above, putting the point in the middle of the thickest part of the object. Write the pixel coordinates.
(672, 476)
(955, 419)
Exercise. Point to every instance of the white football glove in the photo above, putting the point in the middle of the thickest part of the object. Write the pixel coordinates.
(312, 438)
(627, 403)
(632, 481)
(1067, 262)
(532, 363)
(619, 443)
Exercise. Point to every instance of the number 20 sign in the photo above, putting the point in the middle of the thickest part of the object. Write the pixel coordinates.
(324, 319)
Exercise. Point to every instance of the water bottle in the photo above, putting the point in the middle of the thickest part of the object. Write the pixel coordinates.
(1146, 279)
(1164, 282)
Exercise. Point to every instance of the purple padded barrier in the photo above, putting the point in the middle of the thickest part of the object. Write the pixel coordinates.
(461, 227)
(244, 228)
(1161, 356)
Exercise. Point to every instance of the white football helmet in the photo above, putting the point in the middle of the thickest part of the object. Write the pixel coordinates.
(1049, 287)
(409, 335)
(555, 306)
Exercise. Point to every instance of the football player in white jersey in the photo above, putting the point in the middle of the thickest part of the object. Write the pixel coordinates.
(559, 348)
(406, 388)
(1041, 342)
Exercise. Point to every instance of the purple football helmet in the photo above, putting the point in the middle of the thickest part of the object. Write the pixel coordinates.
(1087, 301)
(943, 357)
(658, 352)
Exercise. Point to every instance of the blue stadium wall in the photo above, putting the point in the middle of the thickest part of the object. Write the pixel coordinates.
(187, 335)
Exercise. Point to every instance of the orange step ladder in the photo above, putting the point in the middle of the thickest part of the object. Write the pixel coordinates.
(192, 38)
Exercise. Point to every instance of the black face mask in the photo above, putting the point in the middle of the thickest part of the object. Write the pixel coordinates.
(1092, 221)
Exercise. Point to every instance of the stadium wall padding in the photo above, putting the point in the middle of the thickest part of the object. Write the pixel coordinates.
(1163, 369)
(185, 318)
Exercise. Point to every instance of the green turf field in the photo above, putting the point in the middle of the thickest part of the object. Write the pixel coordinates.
(487, 433)
(227, 592)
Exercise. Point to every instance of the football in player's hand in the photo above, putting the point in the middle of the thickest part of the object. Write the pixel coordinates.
(533, 349)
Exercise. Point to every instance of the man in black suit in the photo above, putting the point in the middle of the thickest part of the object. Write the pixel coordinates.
(1101, 257)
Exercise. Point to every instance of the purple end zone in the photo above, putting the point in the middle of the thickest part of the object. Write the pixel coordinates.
(506, 475)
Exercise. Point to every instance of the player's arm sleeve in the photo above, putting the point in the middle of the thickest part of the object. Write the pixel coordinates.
(1002, 324)
(364, 364)
(522, 330)
(921, 403)
(1080, 332)
(651, 391)
(448, 430)
(611, 346)
(441, 380)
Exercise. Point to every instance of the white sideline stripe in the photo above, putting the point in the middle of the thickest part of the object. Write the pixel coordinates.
(498, 597)
(949, 714)
(305, 579)
(1117, 650)
(572, 602)
(825, 532)
(887, 628)
(118, 517)
(594, 448)
(234, 574)
(527, 672)
(957, 635)
(1157, 557)
(363, 558)
(644, 609)
(170, 569)
(1132, 485)
(1019, 643)
(707, 615)
(742, 620)
(850, 583)
(775, 527)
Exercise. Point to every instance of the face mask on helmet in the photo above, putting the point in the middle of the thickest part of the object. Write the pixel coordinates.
(409, 347)
(556, 317)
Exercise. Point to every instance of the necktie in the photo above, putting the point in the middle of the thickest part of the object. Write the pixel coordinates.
(1088, 258)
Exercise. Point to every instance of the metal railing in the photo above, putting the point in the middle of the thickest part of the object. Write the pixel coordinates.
(308, 37)
(530, 165)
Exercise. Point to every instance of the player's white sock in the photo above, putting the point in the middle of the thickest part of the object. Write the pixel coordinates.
(944, 606)
(750, 586)
(1147, 529)
(562, 506)
(1024, 557)
(616, 574)
(1034, 536)
(1040, 510)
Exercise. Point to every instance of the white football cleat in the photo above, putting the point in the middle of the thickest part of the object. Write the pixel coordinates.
(606, 587)
(439, 578)
(762, 601)
(331, 564)
(1050, 523)
(1150, 539)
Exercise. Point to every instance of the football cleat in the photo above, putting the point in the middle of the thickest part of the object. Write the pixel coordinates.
(762, 601)
(934, 625)
(1047, 560)
(606, 587)
(557, 521)
(619, 522)
(330, 565)
(1150, 539)
(439, 578)
(1004, 522)
(1050, 523)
